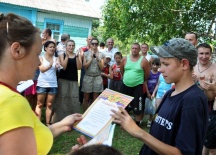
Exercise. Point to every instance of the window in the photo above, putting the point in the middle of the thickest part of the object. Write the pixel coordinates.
(56, 26)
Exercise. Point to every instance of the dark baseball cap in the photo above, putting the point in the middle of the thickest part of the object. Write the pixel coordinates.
(177, 48)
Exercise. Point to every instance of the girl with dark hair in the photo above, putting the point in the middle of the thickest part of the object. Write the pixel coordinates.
(47, 81)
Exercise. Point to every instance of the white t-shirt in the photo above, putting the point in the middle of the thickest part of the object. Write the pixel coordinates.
(111, 53)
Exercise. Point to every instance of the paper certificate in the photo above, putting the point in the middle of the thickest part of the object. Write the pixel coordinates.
(98, 115)
(104, 137)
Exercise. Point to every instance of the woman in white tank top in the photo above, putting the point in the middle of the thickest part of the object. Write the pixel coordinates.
(47, 81)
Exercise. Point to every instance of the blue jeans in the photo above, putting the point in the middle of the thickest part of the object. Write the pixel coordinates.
(48, 90)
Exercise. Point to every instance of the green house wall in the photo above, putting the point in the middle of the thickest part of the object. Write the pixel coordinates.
(73, 31)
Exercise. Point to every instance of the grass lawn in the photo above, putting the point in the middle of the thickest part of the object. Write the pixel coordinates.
(121, 141)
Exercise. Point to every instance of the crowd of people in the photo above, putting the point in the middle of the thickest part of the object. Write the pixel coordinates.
(180, 78)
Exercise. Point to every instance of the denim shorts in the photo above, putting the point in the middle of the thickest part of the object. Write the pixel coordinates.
(48, 90)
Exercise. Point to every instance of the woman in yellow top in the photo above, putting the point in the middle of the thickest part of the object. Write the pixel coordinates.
(21, 132)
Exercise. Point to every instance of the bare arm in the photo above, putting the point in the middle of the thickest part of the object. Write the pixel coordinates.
(63, 61)
(64, 125)
(44, 68)
(110, 72)
(147, 91)
(156, 88)
(109, 75)
(85, 63)
(100, 63)
(123, 65)
(18, 141)
(79, 62)
(150, 61)
(146, 69)
(124, 119)
(79, 59)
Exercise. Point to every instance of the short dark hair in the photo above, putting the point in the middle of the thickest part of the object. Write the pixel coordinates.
(196, 36)
(49, 31)
(205, 45)
(156, 61)
(102, 44)
(118, 53)
(94, 39)
(96, 150)
(47, 44)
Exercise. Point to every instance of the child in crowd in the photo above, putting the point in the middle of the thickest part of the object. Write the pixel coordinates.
(180, 122)
(115, 83)
(152, 82)
(161, 88)
(106, 71)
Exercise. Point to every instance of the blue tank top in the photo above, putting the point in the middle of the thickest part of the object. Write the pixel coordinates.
(152, 81)
(163, 87)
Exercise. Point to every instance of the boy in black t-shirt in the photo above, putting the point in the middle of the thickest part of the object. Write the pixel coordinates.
(181, 120)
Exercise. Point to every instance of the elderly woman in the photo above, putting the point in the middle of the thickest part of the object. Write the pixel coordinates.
(21, 132)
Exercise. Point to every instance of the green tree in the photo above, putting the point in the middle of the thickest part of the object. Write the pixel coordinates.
(155, 21)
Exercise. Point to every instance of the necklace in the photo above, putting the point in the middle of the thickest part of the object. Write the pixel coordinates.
(204, 69)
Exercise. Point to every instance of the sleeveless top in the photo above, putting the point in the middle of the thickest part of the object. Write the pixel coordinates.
(93, 69)
(163, 87)
(48, 78)
(116, 72)
(70, 73)
(106, 71)
(133, 72)
(16, 112)
(152, 81)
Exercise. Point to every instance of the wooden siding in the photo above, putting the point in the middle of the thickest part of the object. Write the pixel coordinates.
(68, 19)
(40, 25)
(76, 31)
(21, 11)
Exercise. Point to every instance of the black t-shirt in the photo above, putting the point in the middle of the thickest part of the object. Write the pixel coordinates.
(70, 73)
(181, 121)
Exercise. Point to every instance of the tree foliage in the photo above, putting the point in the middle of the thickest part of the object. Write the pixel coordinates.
(156, 21)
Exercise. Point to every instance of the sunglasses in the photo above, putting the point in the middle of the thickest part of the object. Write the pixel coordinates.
(94, 44)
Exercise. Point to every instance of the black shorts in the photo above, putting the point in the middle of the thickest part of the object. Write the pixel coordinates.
(210, 138)
(138, 103)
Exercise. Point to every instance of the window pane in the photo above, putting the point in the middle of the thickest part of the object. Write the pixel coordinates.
(55, 30)
(56, 35)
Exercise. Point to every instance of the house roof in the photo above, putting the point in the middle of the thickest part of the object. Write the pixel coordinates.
(74, 7)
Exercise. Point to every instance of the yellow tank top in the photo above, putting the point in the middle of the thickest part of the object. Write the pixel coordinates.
(16, 112)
